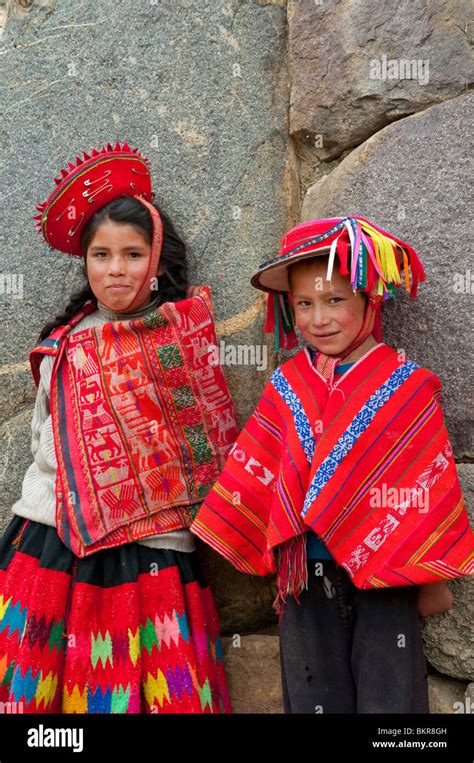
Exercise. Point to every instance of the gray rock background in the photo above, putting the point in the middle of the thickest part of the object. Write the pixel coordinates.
(449, 637)
(254, 115)
(343, 86)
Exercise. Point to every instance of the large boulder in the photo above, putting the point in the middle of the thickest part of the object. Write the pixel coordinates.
(253, 673)
(358, 66)
(448, 638)
(244, 602)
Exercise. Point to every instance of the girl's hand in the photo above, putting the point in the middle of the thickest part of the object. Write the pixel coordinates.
(434, 598)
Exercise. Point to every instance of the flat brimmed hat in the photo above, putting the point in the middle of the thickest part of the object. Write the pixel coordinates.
(377, 263)
(305, 240)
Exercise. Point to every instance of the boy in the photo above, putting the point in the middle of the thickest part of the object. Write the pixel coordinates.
(343, 480)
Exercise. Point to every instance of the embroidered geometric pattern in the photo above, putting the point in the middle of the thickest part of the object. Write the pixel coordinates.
(379, 534)
(142, 424)
(357, 427)
(109, 651)
(302, 425)
(384, 433)
(151, 645)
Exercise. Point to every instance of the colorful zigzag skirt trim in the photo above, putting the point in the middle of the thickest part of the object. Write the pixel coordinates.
(127, 630)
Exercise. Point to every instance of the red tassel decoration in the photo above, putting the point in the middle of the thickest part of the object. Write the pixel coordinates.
(292, 576)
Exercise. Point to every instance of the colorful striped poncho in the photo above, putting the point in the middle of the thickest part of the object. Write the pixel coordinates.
(142, 422)
(367, 466)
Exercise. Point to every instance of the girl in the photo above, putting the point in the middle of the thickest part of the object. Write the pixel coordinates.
(343, 480)
(103, 605)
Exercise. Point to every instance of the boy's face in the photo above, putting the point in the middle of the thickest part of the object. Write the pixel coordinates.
(328, 313)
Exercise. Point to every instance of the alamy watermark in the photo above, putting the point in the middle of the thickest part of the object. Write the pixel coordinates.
(12, 284)
(237, 355)
(400, 68)
(11, 708)
(42, 736)
(463, 283)
(394, 497)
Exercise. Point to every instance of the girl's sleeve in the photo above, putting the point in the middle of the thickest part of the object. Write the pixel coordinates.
(41, 412)
(234, 516)
(37, 501)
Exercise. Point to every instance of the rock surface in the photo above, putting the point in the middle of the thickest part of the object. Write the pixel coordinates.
(446, 695)
(253, 673)
(358, 66)
(449, 638)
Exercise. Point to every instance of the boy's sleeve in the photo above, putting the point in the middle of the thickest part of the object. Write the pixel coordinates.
(234, 517)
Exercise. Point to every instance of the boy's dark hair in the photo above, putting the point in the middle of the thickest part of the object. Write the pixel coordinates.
(305, 261)
(323, 257)
(127, 210)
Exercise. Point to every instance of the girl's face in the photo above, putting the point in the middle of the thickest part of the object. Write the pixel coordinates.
(117, 262)
(328, 313)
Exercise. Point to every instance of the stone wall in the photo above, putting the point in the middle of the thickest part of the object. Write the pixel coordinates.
(255, 115)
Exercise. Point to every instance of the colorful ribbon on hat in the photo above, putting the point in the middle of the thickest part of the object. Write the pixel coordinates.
(279, 321)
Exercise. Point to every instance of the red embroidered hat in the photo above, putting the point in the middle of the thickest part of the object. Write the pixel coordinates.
(85, 187)
(376, 261)
(88, 185)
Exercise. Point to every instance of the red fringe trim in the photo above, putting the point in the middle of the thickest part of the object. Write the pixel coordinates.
(292, 577)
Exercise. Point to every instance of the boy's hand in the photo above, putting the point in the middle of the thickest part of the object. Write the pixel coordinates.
(434, 598)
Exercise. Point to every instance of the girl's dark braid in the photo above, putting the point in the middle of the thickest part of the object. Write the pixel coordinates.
(76, 301)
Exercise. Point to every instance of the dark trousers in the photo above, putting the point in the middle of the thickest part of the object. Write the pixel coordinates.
(344, 650)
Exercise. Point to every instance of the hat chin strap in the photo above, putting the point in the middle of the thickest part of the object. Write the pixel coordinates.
(371, 314)
(154, 261)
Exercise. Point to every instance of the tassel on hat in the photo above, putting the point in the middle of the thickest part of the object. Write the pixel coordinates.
(279, 321)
